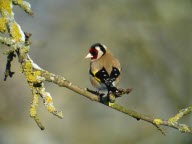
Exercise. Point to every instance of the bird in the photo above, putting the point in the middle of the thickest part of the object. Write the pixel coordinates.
(104, 69)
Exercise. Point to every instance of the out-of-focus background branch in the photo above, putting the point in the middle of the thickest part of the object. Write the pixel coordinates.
(152, 39)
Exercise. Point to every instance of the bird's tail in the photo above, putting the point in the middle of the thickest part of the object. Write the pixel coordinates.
(113, 90)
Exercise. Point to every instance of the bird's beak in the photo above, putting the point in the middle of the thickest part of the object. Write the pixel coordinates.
(89, 56)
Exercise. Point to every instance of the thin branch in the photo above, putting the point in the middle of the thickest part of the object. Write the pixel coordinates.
(33, 112)
(8, 72)
(155, 121)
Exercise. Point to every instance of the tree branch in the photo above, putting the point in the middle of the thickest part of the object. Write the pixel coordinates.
(172, 122)
(18, 43)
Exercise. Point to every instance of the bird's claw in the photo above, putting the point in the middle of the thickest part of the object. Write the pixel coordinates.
(96, 93)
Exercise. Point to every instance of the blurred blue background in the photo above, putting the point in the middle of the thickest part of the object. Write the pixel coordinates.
(152, 40)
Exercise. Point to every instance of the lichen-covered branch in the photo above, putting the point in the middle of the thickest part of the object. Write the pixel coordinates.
(19, 45)
(33, 109)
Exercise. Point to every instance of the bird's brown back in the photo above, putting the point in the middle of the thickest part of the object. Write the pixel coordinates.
(107, 61)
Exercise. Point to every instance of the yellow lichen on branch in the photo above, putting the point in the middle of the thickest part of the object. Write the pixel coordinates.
(178, 116)
(20, 44)
(16, 33)
(30, 74)
(33, 110)
(2, 25)
(35, 81)
(6, 7)
(8, 18)
(24, 5)
(48, 102)
(157, 121)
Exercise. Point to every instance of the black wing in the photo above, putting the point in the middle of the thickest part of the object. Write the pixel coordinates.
(102, 75)
(107, 79)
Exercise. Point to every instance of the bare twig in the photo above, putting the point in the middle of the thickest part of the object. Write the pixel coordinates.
(8, 71)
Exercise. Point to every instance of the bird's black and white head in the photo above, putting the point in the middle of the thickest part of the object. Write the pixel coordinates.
(96, 51)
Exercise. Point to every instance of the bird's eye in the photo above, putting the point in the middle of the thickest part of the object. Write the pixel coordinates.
(93, 51)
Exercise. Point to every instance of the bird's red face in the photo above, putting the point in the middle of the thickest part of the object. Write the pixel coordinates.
(96, 51)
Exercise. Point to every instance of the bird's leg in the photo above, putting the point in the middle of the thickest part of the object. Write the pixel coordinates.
(97, 93)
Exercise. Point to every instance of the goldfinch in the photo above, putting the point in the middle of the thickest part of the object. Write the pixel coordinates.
(104, 69)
